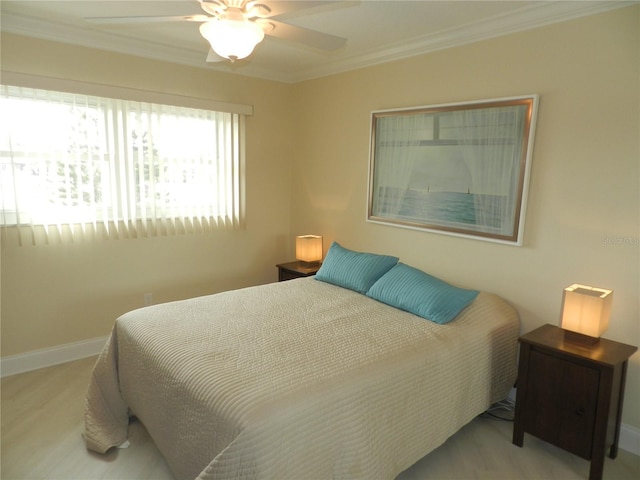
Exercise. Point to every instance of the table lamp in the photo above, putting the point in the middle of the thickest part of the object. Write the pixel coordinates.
(585, 313)
(309, 249)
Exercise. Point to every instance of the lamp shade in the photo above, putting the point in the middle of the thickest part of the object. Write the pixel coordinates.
(586, 310)
(309, 248)
(232, 38)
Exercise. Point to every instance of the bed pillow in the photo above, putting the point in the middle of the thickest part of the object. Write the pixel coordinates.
(353, 270)
(417, 292)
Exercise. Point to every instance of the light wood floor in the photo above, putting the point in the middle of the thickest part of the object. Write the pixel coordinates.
(42, 425)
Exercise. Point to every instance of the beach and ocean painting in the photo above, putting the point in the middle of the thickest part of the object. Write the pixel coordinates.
(445, 208)
(460, 168)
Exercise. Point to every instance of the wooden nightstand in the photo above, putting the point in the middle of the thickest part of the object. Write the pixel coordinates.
(571, 395)
(291, 270)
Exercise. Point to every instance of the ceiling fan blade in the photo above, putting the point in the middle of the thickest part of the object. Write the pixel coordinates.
(282, 7)
(305, 36)
(133, 20)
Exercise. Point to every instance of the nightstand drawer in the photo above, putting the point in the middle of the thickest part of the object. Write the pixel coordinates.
(287, 275)
(293, 270)
(565, 420)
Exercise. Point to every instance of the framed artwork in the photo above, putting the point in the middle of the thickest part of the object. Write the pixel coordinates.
(458, 169)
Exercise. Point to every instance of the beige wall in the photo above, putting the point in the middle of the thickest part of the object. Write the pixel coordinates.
(584, 180)
(57, 294)
(307, 161)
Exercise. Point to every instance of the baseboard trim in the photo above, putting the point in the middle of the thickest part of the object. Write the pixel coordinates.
(630, 439)
(47, 357)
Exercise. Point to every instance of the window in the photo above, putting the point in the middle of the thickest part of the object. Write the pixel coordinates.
(118, 167)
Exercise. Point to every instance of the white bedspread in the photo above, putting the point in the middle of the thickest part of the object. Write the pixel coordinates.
(297, 380)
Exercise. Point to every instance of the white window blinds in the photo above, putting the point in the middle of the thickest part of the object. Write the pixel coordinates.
(78, 164)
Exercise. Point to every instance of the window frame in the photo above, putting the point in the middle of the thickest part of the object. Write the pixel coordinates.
(122, 94)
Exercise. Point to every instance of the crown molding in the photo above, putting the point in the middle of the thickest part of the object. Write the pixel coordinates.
(85, 37)
(535, 16)
(70, 34)
(544, 13)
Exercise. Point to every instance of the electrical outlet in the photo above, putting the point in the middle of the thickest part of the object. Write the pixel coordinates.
(148, 299)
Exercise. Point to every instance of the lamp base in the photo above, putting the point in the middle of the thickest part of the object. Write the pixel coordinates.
(580, 339)
(308, 264)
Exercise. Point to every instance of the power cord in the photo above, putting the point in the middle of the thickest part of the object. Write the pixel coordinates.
(502, 410)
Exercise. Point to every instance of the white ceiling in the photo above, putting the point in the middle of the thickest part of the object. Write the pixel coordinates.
(376, 31)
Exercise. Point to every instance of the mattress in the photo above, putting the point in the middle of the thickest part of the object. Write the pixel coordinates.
(299, 379)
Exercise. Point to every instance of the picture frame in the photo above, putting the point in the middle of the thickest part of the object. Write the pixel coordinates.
(458, 169)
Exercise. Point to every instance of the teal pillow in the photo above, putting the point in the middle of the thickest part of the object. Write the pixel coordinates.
(354, 270)
(413, 290)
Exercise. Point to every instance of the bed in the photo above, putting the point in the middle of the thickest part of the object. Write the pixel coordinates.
(298, 379)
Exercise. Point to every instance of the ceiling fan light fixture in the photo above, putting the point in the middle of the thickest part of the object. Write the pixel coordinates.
(231, 38)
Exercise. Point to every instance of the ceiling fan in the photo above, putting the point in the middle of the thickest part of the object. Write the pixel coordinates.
(234, 27)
